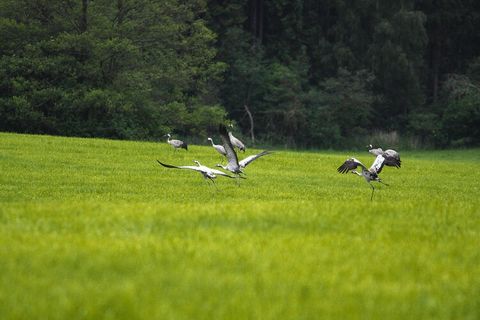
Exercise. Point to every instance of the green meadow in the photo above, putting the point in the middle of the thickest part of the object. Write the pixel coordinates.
(96, 229)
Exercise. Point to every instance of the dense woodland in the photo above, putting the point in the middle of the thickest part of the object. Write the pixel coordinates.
(300, 73)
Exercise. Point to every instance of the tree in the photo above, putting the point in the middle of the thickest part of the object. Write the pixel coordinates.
(103, 68)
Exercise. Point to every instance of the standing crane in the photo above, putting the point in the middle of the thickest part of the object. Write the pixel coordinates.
(220, 149)
(392, 157)
(233, 164)
(207, 173)
(370, 174)
(176, 143)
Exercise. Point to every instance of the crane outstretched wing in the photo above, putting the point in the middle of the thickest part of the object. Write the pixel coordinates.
(350, 164)
(230, 152)
(179, 167)
(378, 164)
(251, 158)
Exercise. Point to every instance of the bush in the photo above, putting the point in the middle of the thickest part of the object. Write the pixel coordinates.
(461, 116)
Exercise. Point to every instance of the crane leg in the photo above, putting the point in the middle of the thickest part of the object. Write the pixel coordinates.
(214, 183)
(237, 180)
(384, 183)
(373, 190)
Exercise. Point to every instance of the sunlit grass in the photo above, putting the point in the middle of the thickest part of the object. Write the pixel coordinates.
(96, 229)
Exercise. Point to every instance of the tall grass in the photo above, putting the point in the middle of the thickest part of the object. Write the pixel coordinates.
(96, 229)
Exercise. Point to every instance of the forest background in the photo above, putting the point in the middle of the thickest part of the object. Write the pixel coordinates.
(297, 73)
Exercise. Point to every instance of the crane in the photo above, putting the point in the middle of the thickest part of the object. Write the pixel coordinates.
(392, 157)
(233, 164)
(236, 142)
(370, 174)
(176, 143)
(207, 173)
(220, 149)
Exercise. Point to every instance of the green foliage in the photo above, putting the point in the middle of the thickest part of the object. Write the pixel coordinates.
(280, 59)
(96, 229)
(106, 69)
(397, 52)
(283, 108)
(342, 108)
(461, 116)
(267, 65)
(428, 127)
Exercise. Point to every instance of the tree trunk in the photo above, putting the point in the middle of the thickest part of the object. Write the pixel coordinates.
(84, 17)
(260, 22)
(436, 58)
(256, 20)
(121, 12)
(250, 117)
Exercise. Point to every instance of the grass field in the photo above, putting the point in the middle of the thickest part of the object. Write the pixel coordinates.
(96, 229)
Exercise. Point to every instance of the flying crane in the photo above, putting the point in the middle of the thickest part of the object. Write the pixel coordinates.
(370, 174)
(207, 173)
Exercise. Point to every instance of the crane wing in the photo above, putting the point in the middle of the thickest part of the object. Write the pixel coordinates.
(230, 152)
(392, 158)
(378, 164)
(350, 164)
(223, 174)
(251, 158)
(180, 167)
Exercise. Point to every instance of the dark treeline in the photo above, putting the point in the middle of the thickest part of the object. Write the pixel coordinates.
(308, 73)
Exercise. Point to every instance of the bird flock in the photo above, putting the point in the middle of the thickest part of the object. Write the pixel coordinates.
(234, 168)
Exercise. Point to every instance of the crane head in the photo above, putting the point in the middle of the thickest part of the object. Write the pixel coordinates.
(371, 146)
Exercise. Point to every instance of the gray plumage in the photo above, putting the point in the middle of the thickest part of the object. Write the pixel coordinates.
(176, 143)
(236, 142)
(245, 162)
(392, 157)
(220, 149)
(370, 174)
(232, 165)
